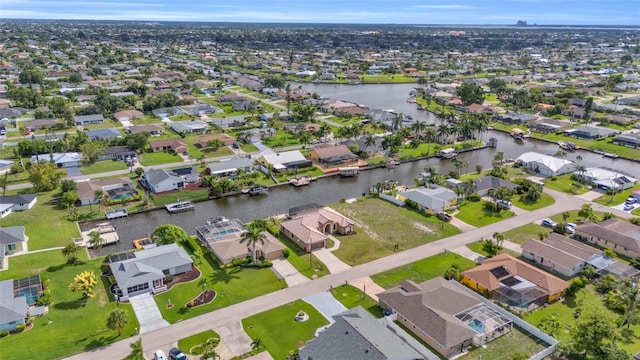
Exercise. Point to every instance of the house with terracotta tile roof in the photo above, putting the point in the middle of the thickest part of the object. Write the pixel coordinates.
(309, 229)
(175, 145)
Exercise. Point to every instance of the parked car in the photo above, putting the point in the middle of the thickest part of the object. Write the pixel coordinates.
(177, 354)
(548, 223)
(235, 145)
(504, 204)
(631, 201)
(571, 225)
(570, 230)
(159, 355)
(629, 207)
(444, 216)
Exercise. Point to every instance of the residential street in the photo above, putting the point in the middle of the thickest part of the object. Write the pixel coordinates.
(162, 337)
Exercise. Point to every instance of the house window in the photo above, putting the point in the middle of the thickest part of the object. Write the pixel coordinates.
(157, 283)
(137, 288)
(11, 247)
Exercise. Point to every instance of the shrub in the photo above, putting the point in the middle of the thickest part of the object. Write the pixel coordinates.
(4, 333)
(168, 278)
(577, 284)
(475, 197)
(286, 253)
(489, 206)
(19, 328)
(554, 178)
(241, 262)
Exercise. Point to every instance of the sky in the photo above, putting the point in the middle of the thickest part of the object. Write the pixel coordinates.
(481, 12)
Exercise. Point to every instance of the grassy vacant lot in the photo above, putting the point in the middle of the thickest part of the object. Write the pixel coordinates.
(477, 247)
(158, 158)
(182, 194)
(545, 200)
(300, 259)
(72, 325)
(351, 297)
(563, 183)
(505, 347)
(48, 225)
(103, 166)
(189, 342)
(422, 270)
(381, 225)
(232, 285)
(525, 232)
(575, 218)
(587, 300)
(473, 213)
(618, 198)
(280, 332)
(386, 79)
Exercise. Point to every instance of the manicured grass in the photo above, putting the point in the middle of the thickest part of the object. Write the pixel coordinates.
(232, 285)
(587, 300)
(381, 225)
(522, 203)
(563, 183)
(72, 325)
(46, 223)
(182, 194)
(185, 344)
(351, 297)
(300, 259)
(280, 332)
(221, 151)
(157, 158)
(397, 78)
(422, 150)
(422, 270)
(248, 148)
(506, 346)
(618, 198)
(311, 171)
(103, 166)
(473, 213)
(477, 247)
(575, 218)
(523, 233)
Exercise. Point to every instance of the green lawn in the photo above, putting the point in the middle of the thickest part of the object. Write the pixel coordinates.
(72, 324)
(281, 139)
(47, 224)
(473, 213)
(525, 232)
(351, 297)
(248, 148)
(586, 300)
(158, 158)
(386, 79)
(300, 259)
(233, 285)
(505, 347)
(522, 203)
(618, 198)
(422, 150)
(574, 217)
(563, 183)
(182, 194)
(477, 247)
(422, 270)
(103, 166)
(381, 225)
(280, 332)
(221, 151)
(185, 344)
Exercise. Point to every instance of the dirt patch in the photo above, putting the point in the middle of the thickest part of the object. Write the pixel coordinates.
(422, 227)
(205, 297)
(351, 215)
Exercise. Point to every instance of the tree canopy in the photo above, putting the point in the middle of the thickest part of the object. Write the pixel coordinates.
(470, 93)
(168, 234)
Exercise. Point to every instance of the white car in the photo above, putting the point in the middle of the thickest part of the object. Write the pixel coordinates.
(159, 355)
(548, 223)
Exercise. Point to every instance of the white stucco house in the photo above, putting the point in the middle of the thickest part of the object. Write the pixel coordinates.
(545, 165)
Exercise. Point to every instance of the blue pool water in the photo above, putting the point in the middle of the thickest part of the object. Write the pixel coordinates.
(31, 294)
(219, 235)
(121, 196)
(477, 326)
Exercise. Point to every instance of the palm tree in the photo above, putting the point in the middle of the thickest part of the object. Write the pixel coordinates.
(369, 141)
(117, 320)
(97, 197)
(252, 236)
(136, 351)
(418, 127)
(458, 164)
(628, 296)
(414, 144)
(95, 239)
(443, 131)
(260, 224)
(396, 123)
(499, 237)
(69, 251)
(209, 350)
(429, 136)
(498, 158)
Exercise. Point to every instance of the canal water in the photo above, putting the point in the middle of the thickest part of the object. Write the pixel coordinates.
(280, 199)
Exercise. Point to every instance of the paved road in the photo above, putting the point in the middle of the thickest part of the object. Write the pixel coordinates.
(234, 313)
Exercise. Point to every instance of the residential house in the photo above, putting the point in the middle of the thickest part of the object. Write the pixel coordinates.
(356, 335)
(332, 156)
(17, 300)
(229, 122)
(164, 113)
(545, 125)
(84, 120)
(13, 239)
(128, 115)
(605, 179)
(486, 184)
(113, 189)
(430, 199)
(630, 139)
(203, 109)
(545, 165)
(62, 160)
(309, 229)
(174, 145)
(514, 282)
(104, 134)
(615, 234)
(230, 167)
(142, 272)
(515, 118)
(225, 139)
(153, 130)
(590, 133)
(283, 161)
(120, 153)
(21, 202)
(189, 127)
(445, 315)
(38, 124)
(560, 254)
(161, 180)
(223, 237)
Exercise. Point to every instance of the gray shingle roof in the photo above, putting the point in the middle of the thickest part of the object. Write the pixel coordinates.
(12, 235)
(17, 199)
(11, 309)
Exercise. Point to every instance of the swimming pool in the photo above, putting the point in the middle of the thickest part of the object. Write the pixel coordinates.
(30, 293)
(222, 233)
(477, 326)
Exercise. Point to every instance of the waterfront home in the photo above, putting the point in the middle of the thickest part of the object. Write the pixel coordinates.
(17, 300)
(223, 237)
(430, 199)
(230, 167)
(20, 202)
(356, 335)
(514, 282)
(590, 133)
(13, 239)
(62, 160)
(113, 189)
(332, 156)
(515, 118)
(615, 234)
(283, 161)
(224, 139)
(545, 125)
(189, 127)
(486, 184)
(605, 179)
(445, 315)
(174, 145)
(309, 228)
(162, 180)
(145, 271)
(84, 120)
(630, 139)
(153, 130)
(545, 165)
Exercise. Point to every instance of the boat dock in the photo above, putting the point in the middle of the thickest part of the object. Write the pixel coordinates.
(181, 205)
(107, 232)
(257, 190)
(115, 214)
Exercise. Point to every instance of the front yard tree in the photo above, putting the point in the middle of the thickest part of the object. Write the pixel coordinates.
(70, 251)
(137, 141)
(117, 320)
(136, 351)
(591, 333)
(209, 350)
(45, 176)
(169, 234)
(85, 282)
(470, 93)
(69, 199)
(91, 151)
(252, 236)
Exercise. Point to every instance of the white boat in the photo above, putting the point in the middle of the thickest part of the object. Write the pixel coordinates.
(115, 214)
(300, 180)
(349, 171)
(447, 153)
(181, 205)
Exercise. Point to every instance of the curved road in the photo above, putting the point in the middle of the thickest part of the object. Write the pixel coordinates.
(232, 314)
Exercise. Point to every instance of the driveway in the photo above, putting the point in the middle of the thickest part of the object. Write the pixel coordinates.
(463, 226)
(468, 253)
(73, 171)
(512, 246)
(326, 304)
(370, 288)
(286, 271)
(236, 341)
(147, 312)
(331, 261)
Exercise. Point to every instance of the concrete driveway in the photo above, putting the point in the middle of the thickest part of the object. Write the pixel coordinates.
(331, 261)
(463, 226)
(236, 341)
(468, 253)
(147, 312)
(286, 271)
(326, 304)
(73, 171)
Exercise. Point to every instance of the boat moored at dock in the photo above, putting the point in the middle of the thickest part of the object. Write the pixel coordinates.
(180, 205)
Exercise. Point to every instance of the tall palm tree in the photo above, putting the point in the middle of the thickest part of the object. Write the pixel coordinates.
(499, 237)
(70, 251)
(369, 141)
(498, 158)
(429, 136)
(628, 296)
(252, 236)
(414, 144)
(443, 131)
(97, 197)
(95, 239)
(117, 320)
(396, 123)
(136, 350)
(418, 127)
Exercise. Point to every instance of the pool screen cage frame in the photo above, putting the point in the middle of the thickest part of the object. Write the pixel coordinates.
(494, 324)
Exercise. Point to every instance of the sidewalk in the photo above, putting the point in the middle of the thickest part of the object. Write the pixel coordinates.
(370, 288)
